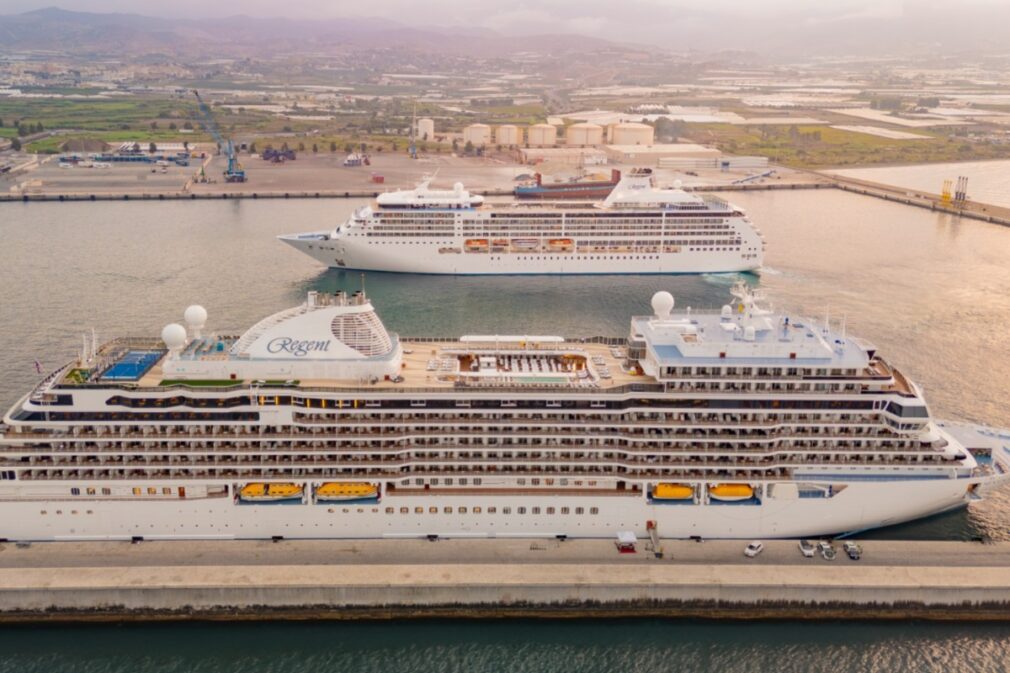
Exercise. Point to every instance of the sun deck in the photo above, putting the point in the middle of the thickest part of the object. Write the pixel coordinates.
(426, 364)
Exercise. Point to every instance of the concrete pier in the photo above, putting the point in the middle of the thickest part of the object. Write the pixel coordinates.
(494, 578)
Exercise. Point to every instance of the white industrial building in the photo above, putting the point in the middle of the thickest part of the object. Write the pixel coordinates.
(567, 156)
(584, 134)
(507, 134)
(479, 135)
(650, 155)
(725, 163)
(425, 129)
(541, 135)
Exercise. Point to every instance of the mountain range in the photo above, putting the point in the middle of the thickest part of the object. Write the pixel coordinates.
(241, 36)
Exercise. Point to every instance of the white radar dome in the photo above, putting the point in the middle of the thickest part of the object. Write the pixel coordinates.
(174, 336)
(677, 184)
(458, 188)
(662, 304)
(195, 316)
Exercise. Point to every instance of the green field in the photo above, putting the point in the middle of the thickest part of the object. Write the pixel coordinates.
(822, 146)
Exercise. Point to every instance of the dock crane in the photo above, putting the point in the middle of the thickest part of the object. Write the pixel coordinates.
(234, 172)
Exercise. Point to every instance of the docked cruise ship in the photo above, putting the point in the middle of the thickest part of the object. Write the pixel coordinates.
(638, 228)
(319, 423)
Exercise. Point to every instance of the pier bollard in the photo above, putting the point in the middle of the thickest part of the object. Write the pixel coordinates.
(93, 197)
(286, 195)
(255, 195)
(126, 197)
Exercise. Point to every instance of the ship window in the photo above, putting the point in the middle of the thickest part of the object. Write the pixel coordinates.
(535, 510)
(389, 510)
(447, 510)
(462, 510)
(477, 481)
(91, 491)
(535, 482)
(520, 510)
(550, 510)
(152, 490)
(492, 510)
(462, 481)
(506, 510)
(404, 510)
(433, 510)
(419, 510)
(106, 491)
(136, 490)
(75, 491)
(579, 510)
(476, 510)
(594, 510)
(166, 491)
(564, 510)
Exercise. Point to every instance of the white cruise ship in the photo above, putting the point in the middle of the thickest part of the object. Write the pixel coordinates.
(318, 423)
(639, 228)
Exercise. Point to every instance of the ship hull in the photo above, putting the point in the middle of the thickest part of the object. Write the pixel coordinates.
(852, 506)
(432, 258)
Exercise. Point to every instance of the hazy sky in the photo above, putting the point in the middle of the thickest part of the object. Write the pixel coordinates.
(629, 20)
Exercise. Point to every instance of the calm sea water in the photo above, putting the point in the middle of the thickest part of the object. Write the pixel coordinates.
(637, 646)
(988, 181)
(933, 292)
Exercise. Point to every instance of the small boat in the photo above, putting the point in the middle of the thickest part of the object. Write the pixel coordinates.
(475, 245)
(731, 492)
(561, 244)
(672, 492)
(525, 244)
(346, 491)
(258, 492)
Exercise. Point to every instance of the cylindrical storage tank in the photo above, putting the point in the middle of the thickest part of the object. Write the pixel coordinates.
(477, 134)
(425, 129)
(541, 135)
(632, 133)
(507, 134)
(584, 133)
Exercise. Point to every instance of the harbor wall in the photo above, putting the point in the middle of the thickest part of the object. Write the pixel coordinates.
(497, 590)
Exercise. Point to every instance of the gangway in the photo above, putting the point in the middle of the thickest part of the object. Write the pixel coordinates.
(657, 546)
(751, 178)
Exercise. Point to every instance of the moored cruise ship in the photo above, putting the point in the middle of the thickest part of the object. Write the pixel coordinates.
(638, 228)
(319, 423)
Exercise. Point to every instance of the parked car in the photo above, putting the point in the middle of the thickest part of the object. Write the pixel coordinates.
(854, 551)
(753, 549)
(807, 548)
(827, 550)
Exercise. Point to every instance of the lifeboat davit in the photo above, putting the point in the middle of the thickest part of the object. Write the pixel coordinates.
(731, 492)
(262, 492)
(672, 492)
(346, 491)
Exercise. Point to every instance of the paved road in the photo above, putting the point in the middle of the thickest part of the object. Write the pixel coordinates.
(498, 551)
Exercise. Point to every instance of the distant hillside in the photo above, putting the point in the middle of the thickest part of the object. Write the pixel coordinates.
(81, 32)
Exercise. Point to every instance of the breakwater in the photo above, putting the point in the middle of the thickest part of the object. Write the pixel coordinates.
(464, 578)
